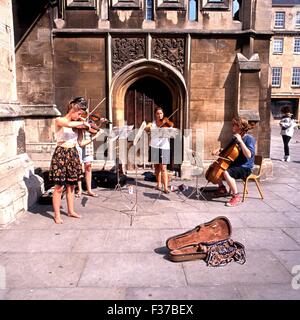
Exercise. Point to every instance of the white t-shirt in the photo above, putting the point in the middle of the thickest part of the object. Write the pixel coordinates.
(156, 140)
(287, 126)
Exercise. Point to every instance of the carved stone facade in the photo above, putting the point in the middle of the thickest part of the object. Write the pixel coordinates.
(171, 51)
(126, 50)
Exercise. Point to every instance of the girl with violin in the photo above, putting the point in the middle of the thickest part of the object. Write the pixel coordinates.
(242, 166)
(65, 168)
(159, 151)
(86, 149)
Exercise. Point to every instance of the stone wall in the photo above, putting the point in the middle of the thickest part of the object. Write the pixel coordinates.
(80, 70)
(36, 94)
(19, 187)
(213, 89)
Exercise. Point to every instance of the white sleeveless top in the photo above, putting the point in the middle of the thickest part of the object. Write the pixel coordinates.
(66, 135)
(156, 141)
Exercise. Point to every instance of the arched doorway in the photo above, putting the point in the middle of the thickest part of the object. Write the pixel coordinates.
(137, 89)
(142, 97)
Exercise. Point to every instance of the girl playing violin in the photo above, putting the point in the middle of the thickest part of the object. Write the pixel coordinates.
(159, 151)
(65, 168)
(241, 168)
(86, 152)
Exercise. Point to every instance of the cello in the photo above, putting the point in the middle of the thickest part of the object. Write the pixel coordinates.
(226, 157)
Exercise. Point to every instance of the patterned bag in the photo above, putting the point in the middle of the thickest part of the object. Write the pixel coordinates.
(220, 253)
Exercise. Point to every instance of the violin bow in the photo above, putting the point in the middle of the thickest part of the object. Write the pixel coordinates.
(96, 107)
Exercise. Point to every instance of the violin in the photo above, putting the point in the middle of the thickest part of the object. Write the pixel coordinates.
(95, 122)
(164, 123)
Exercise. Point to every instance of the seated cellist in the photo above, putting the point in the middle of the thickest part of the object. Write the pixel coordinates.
(242, 167)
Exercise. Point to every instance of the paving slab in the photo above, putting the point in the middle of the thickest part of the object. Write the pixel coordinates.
(269, 292)
(265, 238)
(267, 220)
(89, 293)
(294, 233)
(37, 240)
(288, 258)
(42, 270)
(135, 269)
(184, 293)
(281, 205)
(189, 220)
(118, 241)
(261, 267)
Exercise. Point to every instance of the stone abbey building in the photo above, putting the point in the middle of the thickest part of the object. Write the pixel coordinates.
(209, 60)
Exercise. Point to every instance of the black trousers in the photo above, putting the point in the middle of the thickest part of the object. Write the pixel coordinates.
(286, 140)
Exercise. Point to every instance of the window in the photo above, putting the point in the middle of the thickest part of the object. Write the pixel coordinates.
(278, 45)
(149, 9)
(296, 77)
(192, 10)
(236, 8)
(276, 77)
(215, 4)
(297, 23)
(297, 45)
(279, 20)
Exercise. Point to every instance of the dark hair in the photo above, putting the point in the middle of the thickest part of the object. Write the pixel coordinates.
(77, 104)
(158, 108)
(79, 101)
(286, 109)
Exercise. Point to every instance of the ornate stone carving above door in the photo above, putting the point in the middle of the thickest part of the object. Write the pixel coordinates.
(169, 50)
(125, 51)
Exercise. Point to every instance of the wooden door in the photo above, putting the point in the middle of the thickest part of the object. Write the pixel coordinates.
(141, 99)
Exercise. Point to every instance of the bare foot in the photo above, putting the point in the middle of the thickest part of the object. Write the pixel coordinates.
(58, 220)
(74, 215)
(78, 194)
(92, 194)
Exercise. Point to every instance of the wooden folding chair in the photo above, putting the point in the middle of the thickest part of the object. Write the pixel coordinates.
(255, 177)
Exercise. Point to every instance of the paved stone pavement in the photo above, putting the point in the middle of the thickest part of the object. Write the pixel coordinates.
(102, 256)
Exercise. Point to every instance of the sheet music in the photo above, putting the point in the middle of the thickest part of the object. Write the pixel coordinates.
(164, 132)
(123, 132)
(139, 133)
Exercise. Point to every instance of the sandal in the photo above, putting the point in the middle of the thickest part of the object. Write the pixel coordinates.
(78, 194)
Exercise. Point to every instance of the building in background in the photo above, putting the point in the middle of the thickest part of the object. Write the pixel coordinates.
(209, 60)
(285, 56)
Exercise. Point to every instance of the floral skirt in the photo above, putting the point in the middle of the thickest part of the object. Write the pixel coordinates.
(65, 166)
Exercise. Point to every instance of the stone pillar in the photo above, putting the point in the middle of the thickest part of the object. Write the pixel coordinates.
(19, 187)
(102, 8)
